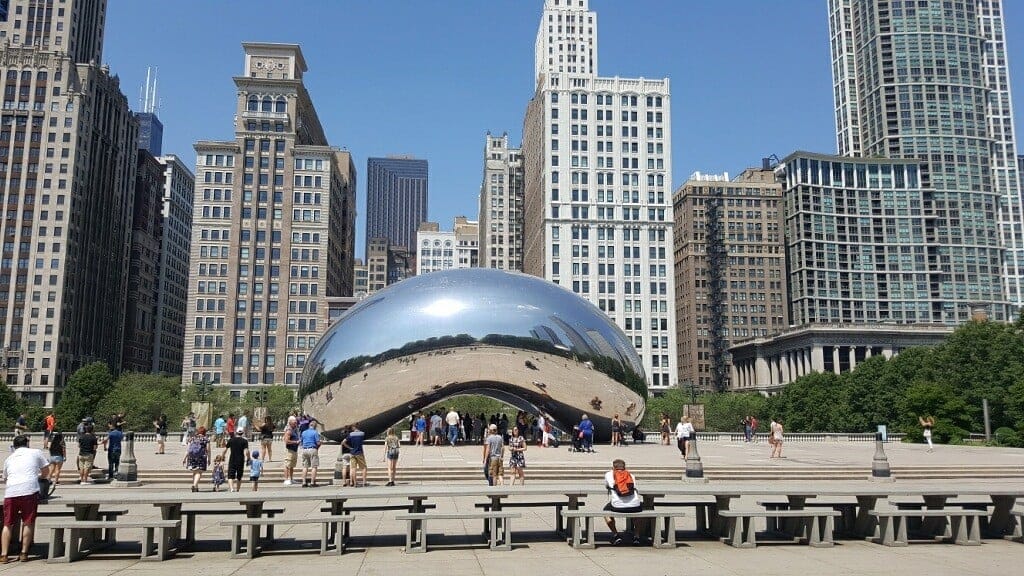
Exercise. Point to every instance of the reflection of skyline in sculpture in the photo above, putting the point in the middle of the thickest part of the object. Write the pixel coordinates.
(467, 332)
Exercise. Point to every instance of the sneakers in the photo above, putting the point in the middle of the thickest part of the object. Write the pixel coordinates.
(390, 484)
(287, 483)
(616, 539)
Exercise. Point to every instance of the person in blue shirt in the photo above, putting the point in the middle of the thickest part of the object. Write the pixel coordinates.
(309, 443)
(255, 470)
(113, 445)
(587, 430)
(421, 429)
(354, 442)
(219, 426)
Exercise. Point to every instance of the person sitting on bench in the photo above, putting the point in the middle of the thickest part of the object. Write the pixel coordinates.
(623, 497)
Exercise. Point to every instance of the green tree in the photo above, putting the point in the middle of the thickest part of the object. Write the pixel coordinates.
(953, 415)
(280, 402)
(725, 412)
(9, 407)
(144, 397)
(85, 389)
(813, 403)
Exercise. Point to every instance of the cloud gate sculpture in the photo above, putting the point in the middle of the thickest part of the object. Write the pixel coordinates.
(513, 337)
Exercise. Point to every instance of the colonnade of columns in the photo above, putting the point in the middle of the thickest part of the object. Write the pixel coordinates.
(782, 368)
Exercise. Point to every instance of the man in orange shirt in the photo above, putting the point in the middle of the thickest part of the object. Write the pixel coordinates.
(49, 424)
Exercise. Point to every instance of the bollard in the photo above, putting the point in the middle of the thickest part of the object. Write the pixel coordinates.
(128, 470)
(694, 467)
(880, 463)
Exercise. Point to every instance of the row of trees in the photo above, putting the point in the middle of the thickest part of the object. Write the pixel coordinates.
(980, 360)
(93, 391)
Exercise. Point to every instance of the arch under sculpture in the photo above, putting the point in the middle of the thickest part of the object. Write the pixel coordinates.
(513, 337)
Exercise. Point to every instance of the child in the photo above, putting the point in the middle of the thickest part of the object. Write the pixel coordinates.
(218, 472)
(255, 470)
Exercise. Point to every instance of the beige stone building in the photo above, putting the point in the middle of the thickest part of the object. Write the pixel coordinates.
(729, 270)
(67, 170)
(444, 250)
(501, 206)
(273, 231)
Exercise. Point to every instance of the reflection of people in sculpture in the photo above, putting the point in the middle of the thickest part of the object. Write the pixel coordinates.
(596, 403)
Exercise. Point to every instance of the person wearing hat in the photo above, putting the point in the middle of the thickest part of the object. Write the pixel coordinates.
(494, 451)
(255, 470)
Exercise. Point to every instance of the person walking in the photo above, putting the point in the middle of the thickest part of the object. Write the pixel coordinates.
(291, 450)
(392, 447)
(354, 441)
(681, 438)
(689, 435)
(21, 425)
(255, 470)
(622, 497)
(587, 433)
(188, 428)
(197, 456)
(452, 419)
(237, 451)
(777, 437)
(748, 430)
(310, 441)
(616, 431)
(927, 422)
(666, 429)
(49, 424)
(243, 425)
(160, 425)
(230, 426)
(267, 438)
(435, 428)
(58, 455)
(517, 456)
(218, 472)
(87, 444)
(21, 473)
(220, 425)
(494, 449)
(420, 425)
(112, 444)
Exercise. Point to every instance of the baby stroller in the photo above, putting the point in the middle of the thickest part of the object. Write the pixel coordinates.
(577, 440)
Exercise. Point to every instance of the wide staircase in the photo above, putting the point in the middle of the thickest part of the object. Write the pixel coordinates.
(590, 472)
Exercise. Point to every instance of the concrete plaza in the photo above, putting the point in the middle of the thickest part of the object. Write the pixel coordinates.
(377, 542)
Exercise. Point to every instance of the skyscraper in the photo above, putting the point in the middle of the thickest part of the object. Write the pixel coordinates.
(67, 161)
(172, 267)
(730, 269)
(928, 80)
(140, 309)
(597, 156)
(396, 200)
(272, 234)
(501, 206)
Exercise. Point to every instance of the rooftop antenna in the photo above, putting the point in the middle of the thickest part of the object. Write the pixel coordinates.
(148, 101)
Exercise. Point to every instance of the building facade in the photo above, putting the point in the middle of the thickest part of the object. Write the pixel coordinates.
(597, 156)
(766, 365)
(67, 172)
(445, 250)
(929, 81)
(396, 200)
(501, 206)
(861, 246)
(141, 307)
(272, 231)
(172, 270)
(151, 133)
(730, 270)
(361, 279)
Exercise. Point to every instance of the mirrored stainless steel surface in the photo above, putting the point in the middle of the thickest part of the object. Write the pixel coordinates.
(507, 335)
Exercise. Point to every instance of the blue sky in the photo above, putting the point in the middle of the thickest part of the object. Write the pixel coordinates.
(750, 78)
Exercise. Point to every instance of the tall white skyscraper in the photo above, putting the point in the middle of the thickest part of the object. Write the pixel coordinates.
(501, 206)
(598, 170)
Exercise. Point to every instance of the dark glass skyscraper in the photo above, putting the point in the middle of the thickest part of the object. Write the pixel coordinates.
(396, 199)
(151, 133)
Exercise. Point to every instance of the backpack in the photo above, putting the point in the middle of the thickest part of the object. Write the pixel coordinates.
(195, 448)
(624, 485)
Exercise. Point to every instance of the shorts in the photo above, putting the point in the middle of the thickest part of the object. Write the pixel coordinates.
(346, 460)
(630, 510)
(310, 458)
(359, 461)
(21, 507)
(218, 438)
(266, 442)
(56, 459)
(495, 468)
(254, 479)
(291, 458)
(85, 461)
(235, 471)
